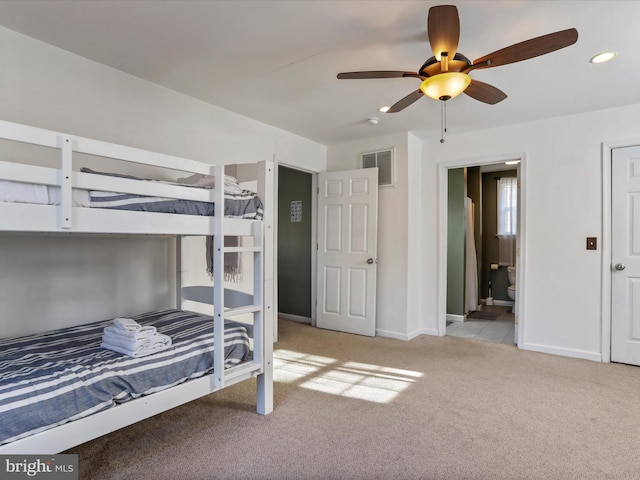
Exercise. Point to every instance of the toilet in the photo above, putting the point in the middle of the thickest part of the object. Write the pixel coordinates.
(511, 289)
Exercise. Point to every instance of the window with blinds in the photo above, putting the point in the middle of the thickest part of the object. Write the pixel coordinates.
(508, 206)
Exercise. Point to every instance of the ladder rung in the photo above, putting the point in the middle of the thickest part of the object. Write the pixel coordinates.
(241, 249)
(232, 312)
(241, 369)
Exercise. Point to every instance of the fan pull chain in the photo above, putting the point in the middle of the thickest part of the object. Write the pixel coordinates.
(443, 120)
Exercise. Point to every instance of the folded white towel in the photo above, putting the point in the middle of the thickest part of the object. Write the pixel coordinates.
(126, 324)
(133, 343)
(157, 347)
(129, 337)
(160, 342)
(138, 334)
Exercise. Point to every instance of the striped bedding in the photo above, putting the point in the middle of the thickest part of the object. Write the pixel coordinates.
(238, 203)
(245, 205)
(55, 377)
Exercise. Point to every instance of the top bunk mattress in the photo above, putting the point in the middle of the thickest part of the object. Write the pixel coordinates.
(238, 203)
(55, 377)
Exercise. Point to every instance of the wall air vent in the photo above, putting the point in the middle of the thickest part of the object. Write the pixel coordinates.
(382, 159)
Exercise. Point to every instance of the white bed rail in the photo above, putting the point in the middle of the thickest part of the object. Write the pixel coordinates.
(67, 178)
(48, 138)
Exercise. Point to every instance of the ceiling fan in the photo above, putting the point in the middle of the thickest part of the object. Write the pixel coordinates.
(446, 74)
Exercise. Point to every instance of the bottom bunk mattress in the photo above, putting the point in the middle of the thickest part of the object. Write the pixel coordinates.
(59, 376)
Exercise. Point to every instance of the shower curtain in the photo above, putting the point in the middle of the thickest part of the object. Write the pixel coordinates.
(471, 263)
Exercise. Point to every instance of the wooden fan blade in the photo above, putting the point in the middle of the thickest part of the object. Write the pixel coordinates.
(406, 101)
(484, 92)
(377, 74)
(528, 49)
(443, 28)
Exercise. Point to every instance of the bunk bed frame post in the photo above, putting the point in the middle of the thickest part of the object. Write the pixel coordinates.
(218, 277)
(65, 220)
(179, 272)
(266, 191)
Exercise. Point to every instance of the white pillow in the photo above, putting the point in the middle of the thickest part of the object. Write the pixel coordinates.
(206, 181)
(192, 180)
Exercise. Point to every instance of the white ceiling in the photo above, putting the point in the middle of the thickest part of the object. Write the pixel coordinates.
(276, 61)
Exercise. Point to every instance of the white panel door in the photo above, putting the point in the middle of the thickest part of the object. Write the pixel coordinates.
(625, 255)
(347, 247)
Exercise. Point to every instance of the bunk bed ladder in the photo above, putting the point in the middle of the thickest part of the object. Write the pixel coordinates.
(226, 377)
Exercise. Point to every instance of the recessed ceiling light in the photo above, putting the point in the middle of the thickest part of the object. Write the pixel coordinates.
(603, 57)
(384, 109)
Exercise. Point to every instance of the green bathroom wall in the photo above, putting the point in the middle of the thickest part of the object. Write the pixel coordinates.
(455, 241)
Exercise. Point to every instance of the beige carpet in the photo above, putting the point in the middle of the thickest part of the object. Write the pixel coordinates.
(350, 407)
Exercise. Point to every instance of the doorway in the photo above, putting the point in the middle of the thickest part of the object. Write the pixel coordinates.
(454, 251)
(296, 259)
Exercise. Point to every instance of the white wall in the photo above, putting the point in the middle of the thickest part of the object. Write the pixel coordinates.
(50, 88)
(52, 281)
(562, 306)
(415, 208)
(47, 87)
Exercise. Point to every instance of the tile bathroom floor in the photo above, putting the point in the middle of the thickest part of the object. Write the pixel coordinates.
(500, 330)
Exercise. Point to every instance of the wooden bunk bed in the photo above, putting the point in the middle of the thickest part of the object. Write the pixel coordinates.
(253, 312)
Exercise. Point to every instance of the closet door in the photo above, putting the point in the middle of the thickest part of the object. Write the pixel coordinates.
(347, 248)
(625, 255)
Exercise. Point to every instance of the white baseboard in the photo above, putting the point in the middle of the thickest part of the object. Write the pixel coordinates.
(389, 334)
(426, 331)
(564, 352)
(455, 318)
(503, 303)
(408, 336)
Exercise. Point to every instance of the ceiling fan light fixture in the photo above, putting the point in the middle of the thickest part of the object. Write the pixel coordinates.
(445, 86)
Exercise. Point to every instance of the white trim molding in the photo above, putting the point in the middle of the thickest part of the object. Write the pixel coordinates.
(564, 352)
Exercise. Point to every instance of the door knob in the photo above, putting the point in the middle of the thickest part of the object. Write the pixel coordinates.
(370, 261)
(619, 266)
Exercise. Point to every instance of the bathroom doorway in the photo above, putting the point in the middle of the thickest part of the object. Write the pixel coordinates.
(482, 295)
